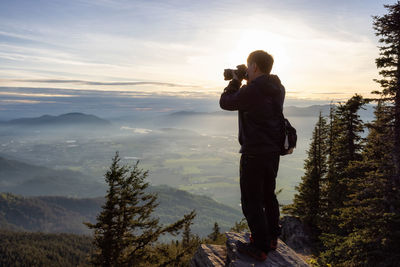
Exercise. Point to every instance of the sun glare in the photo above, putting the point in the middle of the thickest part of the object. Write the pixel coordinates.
(258, 39)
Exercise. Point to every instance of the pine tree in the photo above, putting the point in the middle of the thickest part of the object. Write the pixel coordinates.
(125, 233)
(106, 239)
(186, 235)
(387, 28)
(215, 237)
(345, 147)
(240, 226)
(188, 238)
(329, 183)
(307, 202)
(366, 214)
(215, 233)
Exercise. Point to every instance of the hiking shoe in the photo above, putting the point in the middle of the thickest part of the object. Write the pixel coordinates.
(251, 250)
(273, 245)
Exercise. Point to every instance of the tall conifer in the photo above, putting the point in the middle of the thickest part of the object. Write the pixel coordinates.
(126, 231)
(387, 28)
(307, 202)
(366, 215)
(345, 146)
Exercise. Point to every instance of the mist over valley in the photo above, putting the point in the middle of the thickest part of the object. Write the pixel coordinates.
(186, 143)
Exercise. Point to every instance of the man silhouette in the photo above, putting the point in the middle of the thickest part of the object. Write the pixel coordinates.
(260, 106)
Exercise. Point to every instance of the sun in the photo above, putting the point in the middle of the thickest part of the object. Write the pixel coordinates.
(259, 39)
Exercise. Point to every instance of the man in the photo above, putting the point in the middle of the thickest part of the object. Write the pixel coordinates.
(260, 105)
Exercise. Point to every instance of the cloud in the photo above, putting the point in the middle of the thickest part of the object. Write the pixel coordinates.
(36, 92)
(23, 101)
(318, 45)
(103, 83)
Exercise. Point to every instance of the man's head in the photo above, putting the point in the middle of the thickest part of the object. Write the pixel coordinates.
(259, 62)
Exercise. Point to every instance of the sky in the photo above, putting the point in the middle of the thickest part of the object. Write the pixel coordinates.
(323, 49)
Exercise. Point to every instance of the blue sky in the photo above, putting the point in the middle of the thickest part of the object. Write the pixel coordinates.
(322, 49)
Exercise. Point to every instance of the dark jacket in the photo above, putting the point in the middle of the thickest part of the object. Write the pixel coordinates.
(260, 106)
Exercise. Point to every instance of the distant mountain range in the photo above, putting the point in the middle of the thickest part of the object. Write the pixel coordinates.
(290, 111)
(75, 118)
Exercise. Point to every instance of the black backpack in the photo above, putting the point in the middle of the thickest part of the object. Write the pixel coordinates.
(290, 140)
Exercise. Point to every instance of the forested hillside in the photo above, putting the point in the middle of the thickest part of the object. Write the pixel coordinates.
(62, 214)
(38, 249)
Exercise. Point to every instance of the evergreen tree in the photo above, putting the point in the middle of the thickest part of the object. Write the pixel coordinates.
(240, 226)
(307, 202)
(186, 235)
(215, 237)
(345, 147)
(363, 216)
(387, 28)
(125, 233)
(178, 253)
(366, 214)
(215, 233)
(329, 183)
(188, 238)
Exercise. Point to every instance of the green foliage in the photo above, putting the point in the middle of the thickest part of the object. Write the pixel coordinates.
(387, 28)
(350, 205)
(126, 233)
(178, 253)
(215, 237)
(240, 226)
(367, 215)
(307, 202)
(359, 201)
(345, 146)
(38, 249)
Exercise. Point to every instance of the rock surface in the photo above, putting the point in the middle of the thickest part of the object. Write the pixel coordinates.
(209, 255)
(218, 256)
(295, 236)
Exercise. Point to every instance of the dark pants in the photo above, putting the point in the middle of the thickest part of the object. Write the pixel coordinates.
(259, 203)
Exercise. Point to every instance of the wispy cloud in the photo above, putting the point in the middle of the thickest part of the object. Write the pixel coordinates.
(23, 101)
(22, 94)
(104, 83)
(318, 45)
(35, 92)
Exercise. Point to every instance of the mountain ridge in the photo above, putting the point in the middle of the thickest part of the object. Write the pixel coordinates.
(292, 111)
(63, 119)
(55, 214)
(28, 179)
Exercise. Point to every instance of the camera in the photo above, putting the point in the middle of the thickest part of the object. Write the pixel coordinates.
(241, 73)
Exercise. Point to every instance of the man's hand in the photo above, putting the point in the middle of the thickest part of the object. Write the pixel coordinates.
(233, 85)
(235, 77)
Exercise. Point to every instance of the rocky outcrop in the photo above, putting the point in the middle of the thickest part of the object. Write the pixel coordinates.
(209, 255)
(212, 255)
(295, 235)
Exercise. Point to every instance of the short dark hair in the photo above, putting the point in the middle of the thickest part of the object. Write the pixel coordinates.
(263, 60)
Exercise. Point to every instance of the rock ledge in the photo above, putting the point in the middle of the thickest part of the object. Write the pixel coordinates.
(218, 256)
